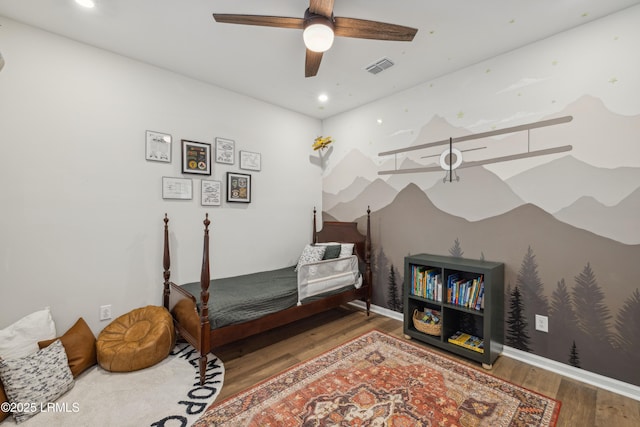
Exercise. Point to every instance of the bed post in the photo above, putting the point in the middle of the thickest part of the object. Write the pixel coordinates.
(314, 239)
(367, 256)
(204, 303)
(166, 263)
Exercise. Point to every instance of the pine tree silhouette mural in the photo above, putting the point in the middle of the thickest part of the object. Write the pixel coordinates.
(592, 314)
(380, 267)
(456, 250)
(561, 310)
(574, 359)
(394, 300)
(594, 337)
(562, 322)
(627, 338)
(532, 291)
(627, 326)
(517, 336)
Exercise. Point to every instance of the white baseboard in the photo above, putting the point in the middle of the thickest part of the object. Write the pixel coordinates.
(615, 386)
(597, 380)
(379, 310)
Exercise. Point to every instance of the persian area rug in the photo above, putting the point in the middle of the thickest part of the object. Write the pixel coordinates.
(379, 380)
(167, 394)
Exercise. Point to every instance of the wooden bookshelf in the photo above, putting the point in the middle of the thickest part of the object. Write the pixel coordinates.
(478, 309)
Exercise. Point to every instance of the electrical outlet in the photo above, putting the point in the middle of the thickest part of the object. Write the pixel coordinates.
(542, 323)
(105, 312)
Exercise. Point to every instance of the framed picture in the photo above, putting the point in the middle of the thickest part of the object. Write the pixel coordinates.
(225, 151)
(210, 193)
(249, 160)
(196, 157)
(238, 187)
(158, 147)
(177, 188)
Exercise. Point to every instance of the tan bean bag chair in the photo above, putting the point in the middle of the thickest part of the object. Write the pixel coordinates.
(136, 340)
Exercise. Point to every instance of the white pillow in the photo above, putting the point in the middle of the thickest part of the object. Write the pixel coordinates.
(37, 379)
(346, 249)
(21, 338)
(311, 254)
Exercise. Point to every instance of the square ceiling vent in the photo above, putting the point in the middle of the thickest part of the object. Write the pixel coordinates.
(379, 66)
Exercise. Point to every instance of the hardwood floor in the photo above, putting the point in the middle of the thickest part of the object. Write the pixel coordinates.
(255, 359)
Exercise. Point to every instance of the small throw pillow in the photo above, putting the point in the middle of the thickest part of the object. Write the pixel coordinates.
(21, 338)
(310, 254)
(346, 249)
(38, 379)
(332, 251)
(79, 344)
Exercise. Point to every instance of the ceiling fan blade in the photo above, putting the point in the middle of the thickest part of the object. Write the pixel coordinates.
(312, 63)
(264, 21)
(321, 7)
(364, 29)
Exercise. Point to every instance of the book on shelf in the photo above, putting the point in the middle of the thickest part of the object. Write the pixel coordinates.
(426, 282)
(467, 341)
(468, 293)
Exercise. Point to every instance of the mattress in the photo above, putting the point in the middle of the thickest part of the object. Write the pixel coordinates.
(242, 298)
(247, 297)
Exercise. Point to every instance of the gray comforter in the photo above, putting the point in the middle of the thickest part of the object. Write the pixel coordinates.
(241, 298)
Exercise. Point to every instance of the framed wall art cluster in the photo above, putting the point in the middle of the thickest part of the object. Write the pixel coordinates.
(198, 158)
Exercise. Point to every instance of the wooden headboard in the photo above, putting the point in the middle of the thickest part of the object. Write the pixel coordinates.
(347, 232)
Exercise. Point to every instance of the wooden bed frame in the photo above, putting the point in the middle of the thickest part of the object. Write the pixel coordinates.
(204, 339)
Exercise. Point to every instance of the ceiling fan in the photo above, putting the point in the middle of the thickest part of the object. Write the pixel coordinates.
(320, 26)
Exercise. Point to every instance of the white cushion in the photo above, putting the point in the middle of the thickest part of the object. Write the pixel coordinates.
(346, 249)
(311, 254)
(21, 338)
(37, 379)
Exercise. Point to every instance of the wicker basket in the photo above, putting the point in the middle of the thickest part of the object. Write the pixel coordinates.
(427, 328)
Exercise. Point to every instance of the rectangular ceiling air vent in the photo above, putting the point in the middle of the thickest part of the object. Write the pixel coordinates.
(379, 66)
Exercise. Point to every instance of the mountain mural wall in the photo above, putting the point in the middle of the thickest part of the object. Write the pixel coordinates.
(566, 230)
(562, 186)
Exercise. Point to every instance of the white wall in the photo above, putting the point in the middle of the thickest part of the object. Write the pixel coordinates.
(81, 216)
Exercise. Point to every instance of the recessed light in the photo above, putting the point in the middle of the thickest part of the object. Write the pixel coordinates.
(86, 3)
(323, 97)
(379, 121)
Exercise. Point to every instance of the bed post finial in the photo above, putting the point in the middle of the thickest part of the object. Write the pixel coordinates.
(314, 239)
(166, 262)
(204, 273)
(204, 300)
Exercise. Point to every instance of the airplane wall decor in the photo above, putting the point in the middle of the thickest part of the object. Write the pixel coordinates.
(451, 158)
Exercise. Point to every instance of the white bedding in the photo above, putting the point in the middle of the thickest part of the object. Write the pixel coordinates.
(327, 275)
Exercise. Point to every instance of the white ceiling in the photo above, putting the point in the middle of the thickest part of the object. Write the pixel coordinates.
(268, 63)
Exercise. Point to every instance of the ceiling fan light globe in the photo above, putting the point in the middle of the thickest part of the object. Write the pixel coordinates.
(86, 3)
(318, 37)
